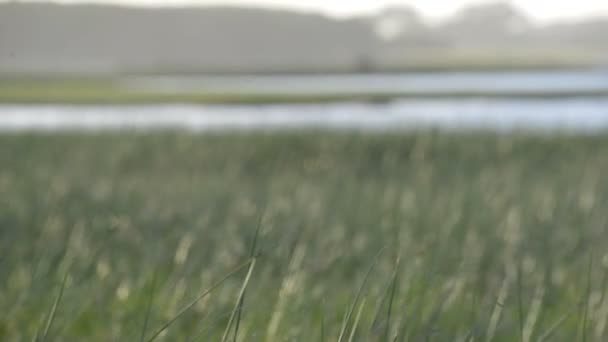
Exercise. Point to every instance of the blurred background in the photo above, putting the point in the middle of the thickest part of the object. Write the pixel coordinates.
(304, 170)
(443, 57)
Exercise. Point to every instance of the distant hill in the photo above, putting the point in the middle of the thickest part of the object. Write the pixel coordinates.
(44, 37)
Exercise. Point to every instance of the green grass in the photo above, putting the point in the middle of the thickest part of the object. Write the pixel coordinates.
(106, 91)
(303, 237)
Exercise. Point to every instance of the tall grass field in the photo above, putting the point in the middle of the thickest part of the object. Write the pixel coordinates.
(303, 237)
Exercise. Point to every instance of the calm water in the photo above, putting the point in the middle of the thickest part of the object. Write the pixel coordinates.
(425, 83)
(575, 115)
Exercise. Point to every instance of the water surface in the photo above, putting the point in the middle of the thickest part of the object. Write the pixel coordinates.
(568, 114)
(482, 82)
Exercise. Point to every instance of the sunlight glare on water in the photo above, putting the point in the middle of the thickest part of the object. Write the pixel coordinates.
(569, 114)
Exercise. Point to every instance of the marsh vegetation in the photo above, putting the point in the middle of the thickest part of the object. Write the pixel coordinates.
(348, 237)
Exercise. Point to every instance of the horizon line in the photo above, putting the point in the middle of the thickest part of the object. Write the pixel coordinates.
(185, 4)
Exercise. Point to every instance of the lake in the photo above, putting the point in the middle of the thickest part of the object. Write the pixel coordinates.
(581, 113)
(433, 83)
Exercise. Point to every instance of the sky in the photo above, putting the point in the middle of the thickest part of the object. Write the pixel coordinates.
(542, 10)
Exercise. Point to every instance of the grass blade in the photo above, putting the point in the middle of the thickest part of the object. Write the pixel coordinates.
(239, 300)
(389, 293)
(549, 333)
(378, 311)
(357, 320)
(197, 299)
(587, 298)
(149, 308)
(470, 336)
(520, 306)
(252, 253)
(536, 308)
(402, 330)
(498, 308)
(349, 314)
(390, 307)
(52, 314)
(430, 325)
